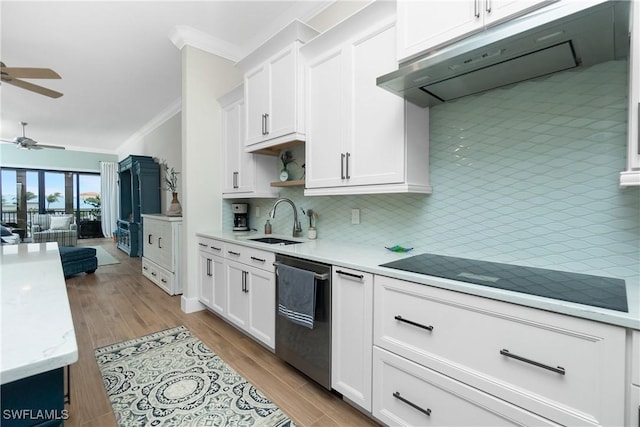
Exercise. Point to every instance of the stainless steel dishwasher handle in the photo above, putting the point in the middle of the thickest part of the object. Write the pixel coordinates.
(324, 276)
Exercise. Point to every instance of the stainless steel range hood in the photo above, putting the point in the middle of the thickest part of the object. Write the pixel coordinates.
(558, 37)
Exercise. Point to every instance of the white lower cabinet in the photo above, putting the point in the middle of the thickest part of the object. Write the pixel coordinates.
(251, 292)
(568, 370)
(409, 394)
(162, 242)
(212, 285)
(352, 334)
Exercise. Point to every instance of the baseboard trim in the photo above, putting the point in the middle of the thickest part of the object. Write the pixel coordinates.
(190, 305)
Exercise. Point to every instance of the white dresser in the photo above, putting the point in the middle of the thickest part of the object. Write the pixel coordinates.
(161, 251)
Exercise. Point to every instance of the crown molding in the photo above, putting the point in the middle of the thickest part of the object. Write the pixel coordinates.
(174, 108)
(182, 35)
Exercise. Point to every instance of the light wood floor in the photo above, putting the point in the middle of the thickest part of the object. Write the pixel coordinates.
(117, 303)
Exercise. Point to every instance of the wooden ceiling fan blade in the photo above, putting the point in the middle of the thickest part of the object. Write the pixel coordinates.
(30, 73)
(33, 88)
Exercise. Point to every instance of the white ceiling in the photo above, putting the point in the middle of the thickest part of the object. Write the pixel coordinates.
(119, 68)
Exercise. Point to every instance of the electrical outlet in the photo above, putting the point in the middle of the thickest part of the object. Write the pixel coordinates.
(257, 212)
(355, 216)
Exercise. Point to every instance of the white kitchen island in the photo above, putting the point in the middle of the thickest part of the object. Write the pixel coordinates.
(37, 334)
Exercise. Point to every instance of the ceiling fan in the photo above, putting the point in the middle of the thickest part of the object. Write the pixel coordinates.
(12, 75)
(26, 143)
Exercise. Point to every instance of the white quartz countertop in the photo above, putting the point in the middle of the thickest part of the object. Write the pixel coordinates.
(368, 259)
(36, 324)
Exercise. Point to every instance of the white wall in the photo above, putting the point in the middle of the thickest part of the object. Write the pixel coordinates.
(66, 160)
(205, 77)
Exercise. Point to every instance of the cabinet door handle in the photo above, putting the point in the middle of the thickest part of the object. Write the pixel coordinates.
(209, 267)
(235, 180)
(355, 276)
(266, 124)
(258, 259)
(244, 282)
(476, 9)
(234, 253)
(558, 370)
(159, 242)
(410, 322)
(427, 411)
(488, 6)
(347, 164)
(342, 165)
(149, 239)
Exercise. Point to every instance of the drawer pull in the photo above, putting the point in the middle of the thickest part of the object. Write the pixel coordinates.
(215, 249)
(428, 328)
(145, 268)
(202, 244)
(559, 370)
(234, 253)
(355, 276)
(163, 280)
(153, 274)
(258, 259)
(427, 411)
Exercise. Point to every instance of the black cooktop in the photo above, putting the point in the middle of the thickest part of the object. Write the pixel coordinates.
(604, 292)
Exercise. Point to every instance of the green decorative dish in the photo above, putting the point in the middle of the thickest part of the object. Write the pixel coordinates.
(398, 249)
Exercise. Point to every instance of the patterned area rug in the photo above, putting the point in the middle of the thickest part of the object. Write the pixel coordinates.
(170, 378)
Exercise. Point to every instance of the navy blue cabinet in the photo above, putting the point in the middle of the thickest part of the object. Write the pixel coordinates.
(139, 194)
(37, 400)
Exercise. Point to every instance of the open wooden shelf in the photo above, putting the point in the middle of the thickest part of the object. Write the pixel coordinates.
(294, 183)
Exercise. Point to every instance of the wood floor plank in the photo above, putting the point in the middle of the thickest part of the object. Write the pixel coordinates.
(117, 303)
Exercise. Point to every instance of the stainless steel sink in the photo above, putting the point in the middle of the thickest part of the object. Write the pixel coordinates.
(275, 241)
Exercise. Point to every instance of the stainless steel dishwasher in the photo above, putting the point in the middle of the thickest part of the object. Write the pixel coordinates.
(308, 350)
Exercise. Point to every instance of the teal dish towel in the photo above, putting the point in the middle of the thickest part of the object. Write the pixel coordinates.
(296, 295)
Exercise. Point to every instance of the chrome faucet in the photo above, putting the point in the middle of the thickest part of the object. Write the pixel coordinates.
(297, 229)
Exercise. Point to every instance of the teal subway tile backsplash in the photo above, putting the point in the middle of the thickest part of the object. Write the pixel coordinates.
(526, 175)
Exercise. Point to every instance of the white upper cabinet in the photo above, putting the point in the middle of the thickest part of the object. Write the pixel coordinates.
(424, 25)
(273, 90)
(361, 139)
(631, 177)
(243, 174)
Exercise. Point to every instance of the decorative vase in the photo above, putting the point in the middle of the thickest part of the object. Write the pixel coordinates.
(175, 209)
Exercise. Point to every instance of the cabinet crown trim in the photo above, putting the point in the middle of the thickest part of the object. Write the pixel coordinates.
(295, 31)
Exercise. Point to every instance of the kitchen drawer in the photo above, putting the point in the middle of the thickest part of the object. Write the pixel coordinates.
(467, 337)
(399, 384)
(211, 246)
(160, 276)
(250, 256)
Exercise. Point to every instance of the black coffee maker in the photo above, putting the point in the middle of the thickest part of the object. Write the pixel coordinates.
(240, 216)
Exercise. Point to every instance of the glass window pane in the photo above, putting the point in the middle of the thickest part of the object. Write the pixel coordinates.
(54, 192)
(89, 196)
(9, 197)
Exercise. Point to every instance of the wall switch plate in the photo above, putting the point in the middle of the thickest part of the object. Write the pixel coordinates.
(355, 216)
(257, 212)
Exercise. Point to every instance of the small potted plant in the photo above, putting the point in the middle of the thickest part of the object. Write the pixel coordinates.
(171, 182)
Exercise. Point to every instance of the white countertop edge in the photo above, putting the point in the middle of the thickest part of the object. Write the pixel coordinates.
(38, 333)
(368, 260)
